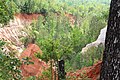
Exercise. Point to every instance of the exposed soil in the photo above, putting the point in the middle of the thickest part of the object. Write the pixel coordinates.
(31, 17)
(32, 69)
(91, 73)
(27, 17)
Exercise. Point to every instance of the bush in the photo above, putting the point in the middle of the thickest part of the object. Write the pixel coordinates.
(92, 55)
(9, 66)
(7, 10)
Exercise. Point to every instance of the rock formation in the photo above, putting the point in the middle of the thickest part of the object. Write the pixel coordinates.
(12, 32)
(100, 40)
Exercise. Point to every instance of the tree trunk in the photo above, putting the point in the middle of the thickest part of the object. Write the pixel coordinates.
(110, 69)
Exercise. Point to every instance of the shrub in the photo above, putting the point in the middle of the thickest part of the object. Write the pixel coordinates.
(9, 66)
(7, 10)
(92, 55)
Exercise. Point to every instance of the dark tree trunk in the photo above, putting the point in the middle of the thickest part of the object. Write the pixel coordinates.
(61, 70)
(111, 58)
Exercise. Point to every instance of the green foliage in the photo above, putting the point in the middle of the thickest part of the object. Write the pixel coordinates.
(27, 61)
(78, 2)
(54, 34)
(9, 66)
(7, 9)
(27, 7)
(31, 78)
(92, 55)
(1, 43)
(58, 40)
(45, 75)
(83, 77)
(55, 41)
(36, 6)
(58, 6)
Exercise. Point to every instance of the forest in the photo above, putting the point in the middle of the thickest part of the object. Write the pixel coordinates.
(58, 39)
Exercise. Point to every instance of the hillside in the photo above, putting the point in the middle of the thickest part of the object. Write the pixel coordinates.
(52, 40)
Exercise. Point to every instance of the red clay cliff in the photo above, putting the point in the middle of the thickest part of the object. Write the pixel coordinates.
(32, 69)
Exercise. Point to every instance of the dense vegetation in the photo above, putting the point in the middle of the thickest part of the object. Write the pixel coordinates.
(54, 33)
(7, 9)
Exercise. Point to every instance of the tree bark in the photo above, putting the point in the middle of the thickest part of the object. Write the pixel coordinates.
(110, 69)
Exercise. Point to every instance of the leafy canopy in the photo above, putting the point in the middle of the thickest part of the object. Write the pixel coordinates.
(7, 9)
